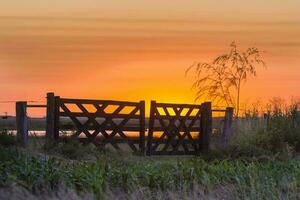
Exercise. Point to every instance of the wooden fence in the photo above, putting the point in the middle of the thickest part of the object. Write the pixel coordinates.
(174, 129)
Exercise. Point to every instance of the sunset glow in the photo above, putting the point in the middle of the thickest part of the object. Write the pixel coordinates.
(139, 50)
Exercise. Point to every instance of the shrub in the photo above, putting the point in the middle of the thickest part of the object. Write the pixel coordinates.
(7, 139)
(277, 133)
(71, 148)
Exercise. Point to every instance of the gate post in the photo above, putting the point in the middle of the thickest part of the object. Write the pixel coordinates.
(56, 118)
(150, 128)
(22, 123)
(227, 126)
(206, 127)
(50, 121)
(142, 127)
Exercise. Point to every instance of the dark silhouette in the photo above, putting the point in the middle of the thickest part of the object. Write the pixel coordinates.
(221, 79)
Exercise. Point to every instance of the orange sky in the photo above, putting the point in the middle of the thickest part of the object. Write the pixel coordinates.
(139, 50)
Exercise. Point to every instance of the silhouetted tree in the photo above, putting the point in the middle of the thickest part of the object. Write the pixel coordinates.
(221, 79)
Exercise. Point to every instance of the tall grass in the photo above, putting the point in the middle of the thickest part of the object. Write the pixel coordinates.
(277, 131)
(246, 180)
(7, 138)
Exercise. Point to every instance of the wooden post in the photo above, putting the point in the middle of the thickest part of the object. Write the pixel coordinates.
(205, 127)
(50, 121)
(22, 123)
(150, 131)
(142, 127)
(266, 121)
(56, 118)
(227, 126)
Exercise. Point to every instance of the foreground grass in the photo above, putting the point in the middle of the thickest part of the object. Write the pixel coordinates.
(261, 162)
(239, 179)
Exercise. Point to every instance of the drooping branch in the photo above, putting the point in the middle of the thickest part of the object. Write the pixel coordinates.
(220, 79)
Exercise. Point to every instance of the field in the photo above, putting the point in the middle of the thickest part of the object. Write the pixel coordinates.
(154, 178)
(261, 162)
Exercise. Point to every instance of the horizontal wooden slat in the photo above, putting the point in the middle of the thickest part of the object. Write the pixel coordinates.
(108, 128)
(165, 141)
(73, 126)
(115, 140)
(165, 117)
(122, 140)
(91, 101)
(119, 140)
(103, 115)
(193, 129)
(37, 106)
(158, 105)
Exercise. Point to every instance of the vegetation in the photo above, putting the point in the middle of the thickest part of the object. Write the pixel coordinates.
(221, 79)
(243, 179)
(261, 162)
(6, 138)
(275, 132)
(71, 148)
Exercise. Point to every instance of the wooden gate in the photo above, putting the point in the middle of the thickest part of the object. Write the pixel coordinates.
(182, 129)
(105, 122)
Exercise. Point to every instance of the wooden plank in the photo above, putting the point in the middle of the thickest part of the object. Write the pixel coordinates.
(91, 101)
(119, 109)
(135, 140)
(205, 127)
(166, 117)
(142, 128)
(100, 111)
(97, 115)
(100, 127)
(180, 141)
(22, 123)
(170, 135)
(56, 118)
(227, 126)
(150, 132)
(77, 123)
(164, 141)
(178, 105)
(36, 106)
(193, 129)
(50, 125)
